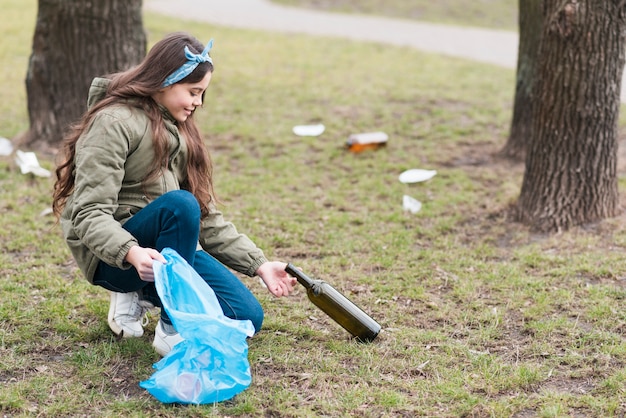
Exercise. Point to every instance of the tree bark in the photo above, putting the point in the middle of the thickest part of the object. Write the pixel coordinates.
(74, 41)
(571, 166)
(530, 27)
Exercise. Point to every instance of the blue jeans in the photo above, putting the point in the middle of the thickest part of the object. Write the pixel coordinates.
(173, 220)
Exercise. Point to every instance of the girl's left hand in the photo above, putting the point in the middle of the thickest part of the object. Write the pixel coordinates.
(142, 258)
(278, 282)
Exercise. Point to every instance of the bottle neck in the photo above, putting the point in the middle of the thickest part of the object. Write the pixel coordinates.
(302, 278)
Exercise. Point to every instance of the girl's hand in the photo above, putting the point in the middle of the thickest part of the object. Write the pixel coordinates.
(278, 282)
(142, 258)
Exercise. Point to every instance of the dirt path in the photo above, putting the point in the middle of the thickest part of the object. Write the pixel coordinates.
(491, 46)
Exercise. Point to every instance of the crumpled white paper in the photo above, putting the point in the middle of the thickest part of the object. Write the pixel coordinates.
(6, 148)
(410, 204)
(28, 163)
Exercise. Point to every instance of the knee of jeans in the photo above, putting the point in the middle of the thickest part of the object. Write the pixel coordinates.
(184, 201)
(256, 317)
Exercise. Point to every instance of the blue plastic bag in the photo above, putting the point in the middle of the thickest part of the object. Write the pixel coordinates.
(211, 364)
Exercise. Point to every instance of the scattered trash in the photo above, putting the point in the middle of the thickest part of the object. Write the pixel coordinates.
(309, 130)
(46, 212)
(366, 141)
(410, 204)
(29, 164)
(6, 148)
(416, 175)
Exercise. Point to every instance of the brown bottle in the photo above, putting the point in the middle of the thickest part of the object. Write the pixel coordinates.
(366, 141)
(337, 306)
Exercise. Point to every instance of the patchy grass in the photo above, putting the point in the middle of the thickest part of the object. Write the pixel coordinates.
(480, 317)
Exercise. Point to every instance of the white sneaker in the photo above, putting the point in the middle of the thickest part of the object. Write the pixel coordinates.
(163, 343)
(127, 314)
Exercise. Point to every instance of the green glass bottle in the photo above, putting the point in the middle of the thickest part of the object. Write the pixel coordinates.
(337, 306)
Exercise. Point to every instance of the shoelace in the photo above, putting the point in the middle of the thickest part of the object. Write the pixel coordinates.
(141, 310)
(145, 309)
(144, 318)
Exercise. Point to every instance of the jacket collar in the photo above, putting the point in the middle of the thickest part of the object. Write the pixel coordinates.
(167, 115)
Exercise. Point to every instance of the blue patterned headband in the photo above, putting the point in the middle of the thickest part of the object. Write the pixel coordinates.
(193, 60)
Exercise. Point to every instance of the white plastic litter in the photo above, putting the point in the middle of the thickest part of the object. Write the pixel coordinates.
(46, 212)
(368, 138)
(410, 204)
(6, 148)
(309, 130)
(416, 175)
(29, 164)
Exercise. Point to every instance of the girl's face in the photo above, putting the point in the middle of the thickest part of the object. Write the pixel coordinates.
(181, 99)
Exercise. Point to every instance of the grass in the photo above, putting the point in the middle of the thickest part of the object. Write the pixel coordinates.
(480, 317)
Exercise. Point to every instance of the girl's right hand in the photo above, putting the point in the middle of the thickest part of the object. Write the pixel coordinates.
(142, 258)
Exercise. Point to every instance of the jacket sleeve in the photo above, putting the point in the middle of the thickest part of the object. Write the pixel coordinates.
(221, 239)
(100, 157)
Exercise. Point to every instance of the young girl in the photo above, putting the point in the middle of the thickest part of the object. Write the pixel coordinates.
(136, 178)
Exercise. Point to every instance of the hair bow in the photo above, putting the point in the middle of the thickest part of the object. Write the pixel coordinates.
(193, 60)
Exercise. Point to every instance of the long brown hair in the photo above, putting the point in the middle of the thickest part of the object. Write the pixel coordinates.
(137, 86)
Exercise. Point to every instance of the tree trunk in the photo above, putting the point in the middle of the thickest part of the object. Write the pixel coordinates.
(571, 166)
(74, 41)
(530, 27)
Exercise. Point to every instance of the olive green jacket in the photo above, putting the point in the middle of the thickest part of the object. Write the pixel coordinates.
(113, 157)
